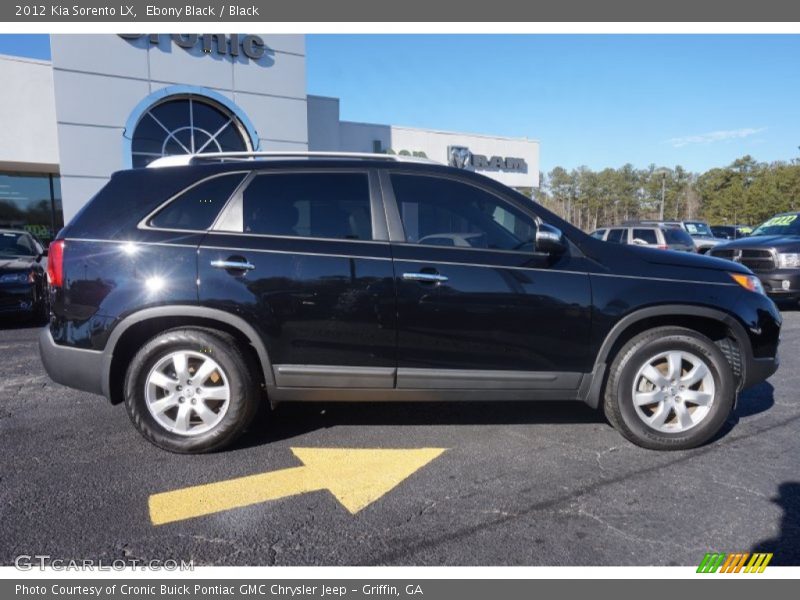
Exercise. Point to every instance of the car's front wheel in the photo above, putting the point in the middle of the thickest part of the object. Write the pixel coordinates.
(669, 388)
(191, 391)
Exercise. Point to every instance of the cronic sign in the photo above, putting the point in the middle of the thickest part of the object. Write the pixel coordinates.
(251, 46)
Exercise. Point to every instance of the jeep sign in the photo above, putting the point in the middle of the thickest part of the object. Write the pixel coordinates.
(462, 158)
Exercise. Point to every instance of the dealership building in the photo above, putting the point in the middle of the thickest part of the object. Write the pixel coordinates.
(109, 102)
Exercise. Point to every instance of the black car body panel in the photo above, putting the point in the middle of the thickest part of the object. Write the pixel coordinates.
(357, 319)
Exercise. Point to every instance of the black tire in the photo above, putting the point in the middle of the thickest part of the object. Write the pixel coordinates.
(41, 312)
(244, 389)
(618, 397)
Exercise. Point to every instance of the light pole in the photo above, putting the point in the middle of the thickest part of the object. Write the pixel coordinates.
(663, 173)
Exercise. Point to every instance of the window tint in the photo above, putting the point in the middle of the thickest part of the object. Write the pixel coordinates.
(677, 235)
(442, 212)
(646, 235)
(323, 205)
(197, 207)
(598, 234)
(616, 236)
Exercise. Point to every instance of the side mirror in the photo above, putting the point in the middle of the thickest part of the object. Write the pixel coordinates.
(550, 240)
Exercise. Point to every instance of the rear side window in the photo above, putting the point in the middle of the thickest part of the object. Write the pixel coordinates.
(197, 207)
(616, 235)
(677, 235)
(646, 235)
(320, 205)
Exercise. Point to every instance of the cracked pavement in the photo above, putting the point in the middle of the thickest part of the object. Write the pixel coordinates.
(520, 484)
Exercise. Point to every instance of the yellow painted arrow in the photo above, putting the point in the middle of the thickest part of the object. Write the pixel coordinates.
(357, 477)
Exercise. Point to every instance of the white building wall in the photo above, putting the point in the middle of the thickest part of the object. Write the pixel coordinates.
(28, 137)
(327, 133)
(323, 124)
(98, 81)
(435, 144)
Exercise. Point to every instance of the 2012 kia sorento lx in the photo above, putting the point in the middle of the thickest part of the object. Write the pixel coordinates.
(194, 292)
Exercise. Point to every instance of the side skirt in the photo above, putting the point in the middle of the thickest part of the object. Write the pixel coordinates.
(319, 383)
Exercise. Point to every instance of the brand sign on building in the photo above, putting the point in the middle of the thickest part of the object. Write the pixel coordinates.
(251, 46)
(462, 158)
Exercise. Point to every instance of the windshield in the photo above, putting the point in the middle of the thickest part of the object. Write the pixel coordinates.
(780, 225)
(17, 244)
(698, 229)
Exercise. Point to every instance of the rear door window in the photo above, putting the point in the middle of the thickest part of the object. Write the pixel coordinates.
(196, 208)
(646, 235)
(617, 236)
(317, 205)
(677, 236)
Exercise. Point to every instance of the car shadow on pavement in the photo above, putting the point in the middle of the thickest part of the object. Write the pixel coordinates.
(757, 399)
(292, 419)
(786, 545)
(753, 401)
(8, 323)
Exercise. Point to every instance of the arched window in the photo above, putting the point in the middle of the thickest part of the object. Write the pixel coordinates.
(186, 124)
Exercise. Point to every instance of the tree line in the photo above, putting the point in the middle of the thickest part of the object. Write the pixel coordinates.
(746, 192)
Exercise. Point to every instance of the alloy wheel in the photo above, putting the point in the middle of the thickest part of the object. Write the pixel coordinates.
(187, 392)
(673, 391)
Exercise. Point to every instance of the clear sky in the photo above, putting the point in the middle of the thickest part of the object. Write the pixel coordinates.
(599, 100)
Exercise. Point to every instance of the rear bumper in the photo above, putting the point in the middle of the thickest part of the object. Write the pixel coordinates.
(73, 367)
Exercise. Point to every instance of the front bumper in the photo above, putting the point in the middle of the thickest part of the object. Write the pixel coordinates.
(73, 367)
(17, 298)
(760, 369)
(781, 283)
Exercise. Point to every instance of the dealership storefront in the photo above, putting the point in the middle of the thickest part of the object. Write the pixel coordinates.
(107, 102)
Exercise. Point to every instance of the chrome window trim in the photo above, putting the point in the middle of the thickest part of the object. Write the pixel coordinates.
(295, 252)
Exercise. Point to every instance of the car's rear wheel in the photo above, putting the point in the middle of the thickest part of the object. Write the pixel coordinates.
(191, 390)
(669, 388)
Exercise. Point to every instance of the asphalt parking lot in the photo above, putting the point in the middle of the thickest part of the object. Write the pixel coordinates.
(516, 484)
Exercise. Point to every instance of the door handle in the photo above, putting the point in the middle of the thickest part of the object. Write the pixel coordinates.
(425, 277)
(233, 265)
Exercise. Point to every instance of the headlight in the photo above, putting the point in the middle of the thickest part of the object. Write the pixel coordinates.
(788, 260)
(748, 282)
(14, 278)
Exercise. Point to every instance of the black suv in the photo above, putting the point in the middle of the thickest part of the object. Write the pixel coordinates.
(772, 251)
(195, 293)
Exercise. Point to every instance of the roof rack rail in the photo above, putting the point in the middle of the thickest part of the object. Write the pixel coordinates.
(177, 160)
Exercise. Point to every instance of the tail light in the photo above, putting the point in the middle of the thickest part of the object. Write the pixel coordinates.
(55, 263)
(663, 247)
